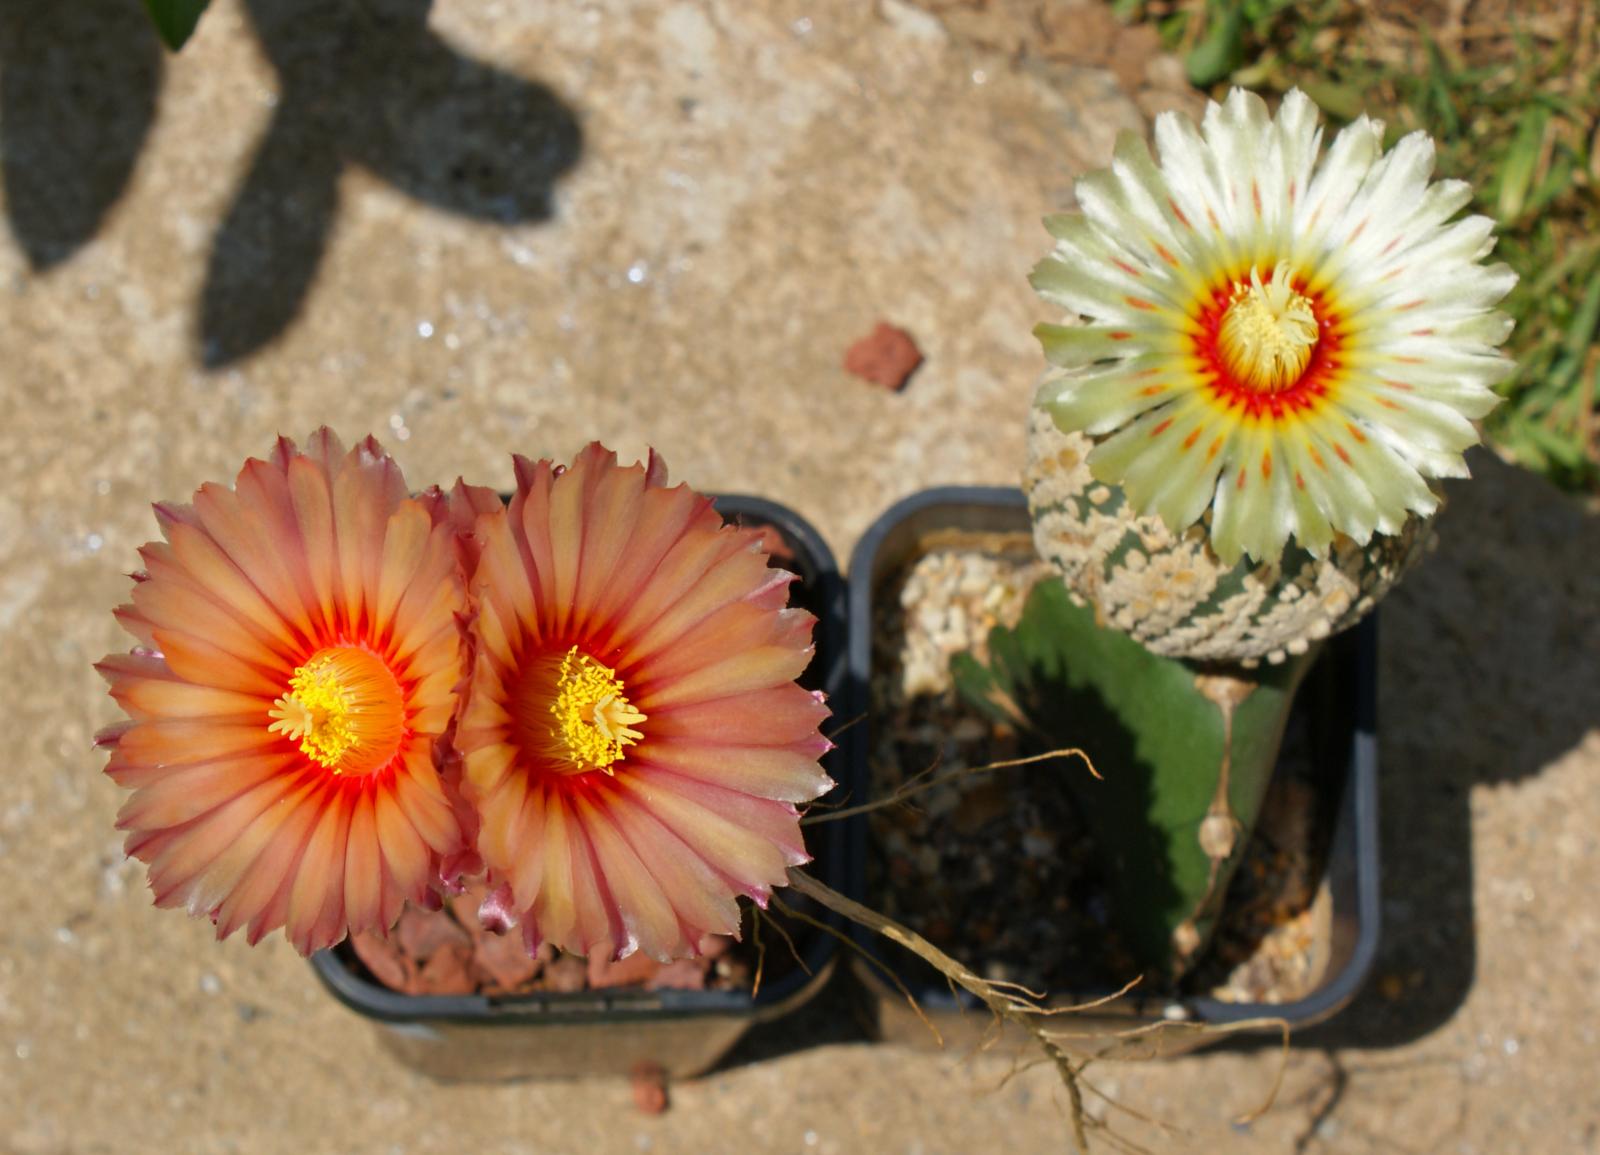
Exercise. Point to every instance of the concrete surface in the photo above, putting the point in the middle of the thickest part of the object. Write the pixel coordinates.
(664, 222)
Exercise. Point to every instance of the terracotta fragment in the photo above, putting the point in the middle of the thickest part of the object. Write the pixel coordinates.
(887, 356)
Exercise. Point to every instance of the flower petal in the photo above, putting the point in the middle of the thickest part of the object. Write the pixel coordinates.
(610, 605)
(1296, 343)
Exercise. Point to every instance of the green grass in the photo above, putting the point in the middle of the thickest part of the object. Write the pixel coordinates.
(1515, 109)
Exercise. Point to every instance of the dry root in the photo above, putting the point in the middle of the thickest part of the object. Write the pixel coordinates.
(1010, 1002)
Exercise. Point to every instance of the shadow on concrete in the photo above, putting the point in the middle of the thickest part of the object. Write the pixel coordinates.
(367, 83)
(1490, 671)
(78, 87)
(838, 1014)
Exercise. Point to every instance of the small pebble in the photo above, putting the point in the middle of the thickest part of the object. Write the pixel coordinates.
(887, 356)
(649, 1084)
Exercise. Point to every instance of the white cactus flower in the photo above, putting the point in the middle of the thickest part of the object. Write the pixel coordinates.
(1297, 342)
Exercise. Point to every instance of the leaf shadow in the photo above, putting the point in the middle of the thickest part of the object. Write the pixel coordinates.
(368, 84)
(78, 89)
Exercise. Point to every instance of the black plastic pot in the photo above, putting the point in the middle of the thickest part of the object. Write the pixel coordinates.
(1340, 698)
(554, 1035)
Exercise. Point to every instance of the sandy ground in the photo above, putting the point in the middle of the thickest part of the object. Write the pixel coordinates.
(523, 225)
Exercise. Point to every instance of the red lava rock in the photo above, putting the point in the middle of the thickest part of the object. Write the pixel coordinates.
(502, 961)
(887, 356)
(422, 934)
(465, 907)
(636, 968)
(734, 973)
(384, 959)
(713, 946)
(566, 974)
(449, 952)
(688, 974)
(448, 971)
(773, 541)
(650, 1088)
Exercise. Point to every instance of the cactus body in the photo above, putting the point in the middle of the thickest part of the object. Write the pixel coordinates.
(1184, 754)
(1171, 592)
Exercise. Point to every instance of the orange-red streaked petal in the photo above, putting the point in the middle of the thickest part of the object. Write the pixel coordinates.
(316, 565)
(599, 581)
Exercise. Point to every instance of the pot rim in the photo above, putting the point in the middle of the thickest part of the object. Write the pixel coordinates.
(1352, 867)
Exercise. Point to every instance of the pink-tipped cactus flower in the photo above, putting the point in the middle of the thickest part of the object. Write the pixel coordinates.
(299, 655)
(632, 737)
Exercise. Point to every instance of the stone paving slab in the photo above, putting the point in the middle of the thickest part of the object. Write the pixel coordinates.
(523, 225)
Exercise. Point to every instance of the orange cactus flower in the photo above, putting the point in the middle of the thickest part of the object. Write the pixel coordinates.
(299, 656)
(632, 738)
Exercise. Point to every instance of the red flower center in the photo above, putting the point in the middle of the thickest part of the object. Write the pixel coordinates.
(1268, 349)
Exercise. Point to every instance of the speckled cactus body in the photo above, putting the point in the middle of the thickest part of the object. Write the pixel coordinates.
(1171, 592)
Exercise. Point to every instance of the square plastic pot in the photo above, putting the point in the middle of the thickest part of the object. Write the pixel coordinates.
(1340, 699)
(611, 1031)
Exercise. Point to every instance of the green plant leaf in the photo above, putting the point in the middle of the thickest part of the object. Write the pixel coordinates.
(1516, 172)
(1581, 332)
(1341, 100)
(175, 19)
(1216, 56)
(1562, 450)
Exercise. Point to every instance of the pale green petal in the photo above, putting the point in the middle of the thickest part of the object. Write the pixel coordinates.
(1485, 331)
(1421, 430)
(1194, 182)
(1145, 192)
(1181, 491)
(1098, 289)
(1253, 513)
(1113, 458)
(1364, 230)
(1175, 472)
(1299, 141)
(1077, 346)
(1388, 194)
(1397, 489)
(1456, 378)
(1438, 204)
(1312, 531)
(1331, 494)
(1238, 131)
(1102, 400)
(1341, 493)
(1340, 174)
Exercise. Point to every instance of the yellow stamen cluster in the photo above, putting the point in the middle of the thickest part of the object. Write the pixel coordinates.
(345, 709)
(588, 719)
(1268, 333)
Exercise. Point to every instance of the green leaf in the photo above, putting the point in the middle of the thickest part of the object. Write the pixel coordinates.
(1557, 183)
(1516, 172)
(1215, 57)
(1582, 329)
(175, 19)
(1564, 451)
(1341, 100)
(1524, 448)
